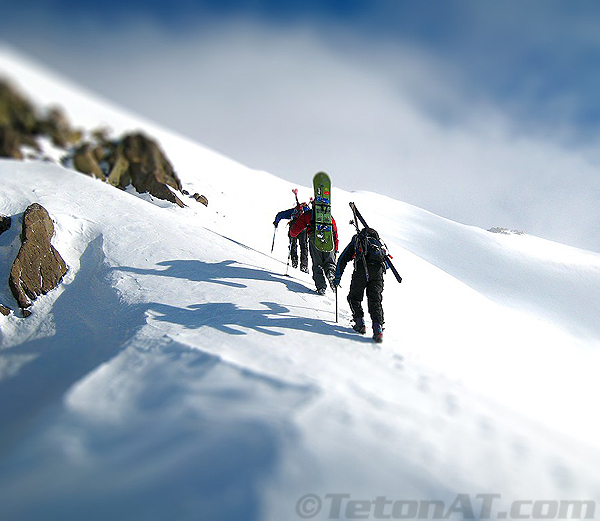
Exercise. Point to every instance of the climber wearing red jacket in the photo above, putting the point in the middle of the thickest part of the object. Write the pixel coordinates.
(323, 262)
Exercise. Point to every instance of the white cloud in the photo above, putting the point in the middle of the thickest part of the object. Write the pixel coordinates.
(378, 116)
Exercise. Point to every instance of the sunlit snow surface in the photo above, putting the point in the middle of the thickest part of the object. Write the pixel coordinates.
(179, 374)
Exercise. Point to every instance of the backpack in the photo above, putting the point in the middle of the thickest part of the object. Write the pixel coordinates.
(367, 244)
(298, 211)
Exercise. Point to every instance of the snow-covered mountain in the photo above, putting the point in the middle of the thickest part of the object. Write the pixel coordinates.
(178, 374)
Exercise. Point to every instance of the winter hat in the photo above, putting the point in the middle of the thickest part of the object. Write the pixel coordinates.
(370, 232)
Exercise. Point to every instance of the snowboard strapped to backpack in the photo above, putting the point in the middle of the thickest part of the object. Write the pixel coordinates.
(322, 221)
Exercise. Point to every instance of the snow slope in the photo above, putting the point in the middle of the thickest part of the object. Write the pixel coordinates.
(178, 374)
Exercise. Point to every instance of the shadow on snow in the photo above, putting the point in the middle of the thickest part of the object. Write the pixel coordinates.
(223, 316)
(217, 273)
(226, 316)
(189, 444)
(92, 325)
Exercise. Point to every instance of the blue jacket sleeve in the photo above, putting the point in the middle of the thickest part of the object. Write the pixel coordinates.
(284, 214)
(344, 259)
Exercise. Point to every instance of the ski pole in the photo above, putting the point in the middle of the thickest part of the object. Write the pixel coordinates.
(273, 244)
(336, 306)
(288, 259)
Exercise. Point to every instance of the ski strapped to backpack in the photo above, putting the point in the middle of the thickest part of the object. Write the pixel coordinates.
(299, 209)
(388, 259)
(360, 246)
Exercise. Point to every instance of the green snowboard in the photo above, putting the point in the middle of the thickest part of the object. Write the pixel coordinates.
(322, 212)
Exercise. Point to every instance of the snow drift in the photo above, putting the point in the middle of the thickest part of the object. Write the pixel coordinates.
(177, 373)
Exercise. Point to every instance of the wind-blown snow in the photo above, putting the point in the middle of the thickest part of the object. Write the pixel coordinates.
(178, 374)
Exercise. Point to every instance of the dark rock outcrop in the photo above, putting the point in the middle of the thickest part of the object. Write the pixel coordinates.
(505, 231)
(38, 267)
(21, 125)
(57, 127)
(135, 159)
(200, 198)
(85, 160)
(10, 143)
(139, 161)
(16, 111)
(5, 222)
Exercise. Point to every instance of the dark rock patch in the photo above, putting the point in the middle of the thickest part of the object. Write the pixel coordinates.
(21, 125)
(201, 199)
(38, 268)
(134, 159)
(85, 160)
(148, 168)
(16, 111)
(57, 127)
(10, 143)
(5, 223)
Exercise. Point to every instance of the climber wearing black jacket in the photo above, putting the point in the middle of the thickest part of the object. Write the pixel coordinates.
(369, 267)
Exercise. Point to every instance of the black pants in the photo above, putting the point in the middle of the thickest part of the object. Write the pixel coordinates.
(301, 240)
(323, 264)
(374, 288)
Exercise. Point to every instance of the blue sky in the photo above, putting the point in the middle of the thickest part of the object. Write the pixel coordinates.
(485, 112)
(500, 46)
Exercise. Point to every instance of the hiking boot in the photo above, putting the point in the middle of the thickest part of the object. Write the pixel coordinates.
(304, 269)
(377, 332)
(321, 291)
(294, 263)
(359, 326)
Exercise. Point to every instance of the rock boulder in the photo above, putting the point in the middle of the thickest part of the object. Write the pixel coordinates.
(10, 143)
(140, 161)
(38, 267)
(5, 222)
(4, 226)
(85, 161)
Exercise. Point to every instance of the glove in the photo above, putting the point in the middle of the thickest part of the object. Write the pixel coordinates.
(336, 282)
(275, 224)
